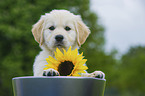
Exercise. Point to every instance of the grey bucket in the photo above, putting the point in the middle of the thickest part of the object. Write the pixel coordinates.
(58, 86)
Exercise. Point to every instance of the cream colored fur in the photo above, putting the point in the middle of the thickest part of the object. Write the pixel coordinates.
(46, 37)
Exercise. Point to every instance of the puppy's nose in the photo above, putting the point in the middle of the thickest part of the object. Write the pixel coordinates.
(59, 38)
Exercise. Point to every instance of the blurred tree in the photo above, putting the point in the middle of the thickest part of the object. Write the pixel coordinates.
(132, 73)
(18, 47)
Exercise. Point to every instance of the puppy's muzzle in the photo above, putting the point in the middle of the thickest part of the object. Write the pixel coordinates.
(59, 38)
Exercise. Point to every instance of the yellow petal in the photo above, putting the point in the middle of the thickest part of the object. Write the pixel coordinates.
(78, 59)
(82, 62)
(51, 60)
(81, 67)
(68, 53)
(50, 66)
(69, 49)
(58, 55)
(77, 75)
(74, 54)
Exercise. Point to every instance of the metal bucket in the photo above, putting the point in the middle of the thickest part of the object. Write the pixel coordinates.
(58, 86)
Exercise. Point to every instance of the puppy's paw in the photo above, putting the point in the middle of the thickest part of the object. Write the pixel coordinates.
(50, 72)
(98, 74)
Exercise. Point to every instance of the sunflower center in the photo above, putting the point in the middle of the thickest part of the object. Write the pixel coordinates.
(65, 68)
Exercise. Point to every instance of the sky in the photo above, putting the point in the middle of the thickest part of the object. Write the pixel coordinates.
(124, 22)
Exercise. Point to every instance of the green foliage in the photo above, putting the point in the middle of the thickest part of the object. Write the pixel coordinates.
(132, 73)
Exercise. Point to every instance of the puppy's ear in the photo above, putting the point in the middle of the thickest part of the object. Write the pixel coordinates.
(37, 30)
(82, 32)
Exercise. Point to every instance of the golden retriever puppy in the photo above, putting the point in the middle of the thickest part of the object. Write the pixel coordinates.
(59, 29)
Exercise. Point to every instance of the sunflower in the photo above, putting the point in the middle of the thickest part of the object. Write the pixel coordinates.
(68, 63)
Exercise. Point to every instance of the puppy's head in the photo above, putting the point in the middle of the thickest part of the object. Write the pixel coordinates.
(60, 29)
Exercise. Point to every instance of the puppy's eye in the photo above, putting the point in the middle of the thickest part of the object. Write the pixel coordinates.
(52, 28)
(67, 28)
